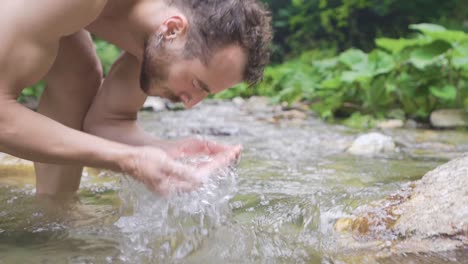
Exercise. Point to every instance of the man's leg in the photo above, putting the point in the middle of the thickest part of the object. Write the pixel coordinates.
(72, 83)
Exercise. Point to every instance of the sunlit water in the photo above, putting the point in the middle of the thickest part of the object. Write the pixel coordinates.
(279, 205)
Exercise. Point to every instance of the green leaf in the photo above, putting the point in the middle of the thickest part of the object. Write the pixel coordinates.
(437, 32)
(355, 76)
(460, 57)
(426, 27)
(428, 54)
(381, 62)
(447, 92)
(331, 83)
(397, 45)
(326, 63)
(451, 36)
(354, 59)
(28, 91)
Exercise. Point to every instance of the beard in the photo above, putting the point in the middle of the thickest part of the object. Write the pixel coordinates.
(155, 68)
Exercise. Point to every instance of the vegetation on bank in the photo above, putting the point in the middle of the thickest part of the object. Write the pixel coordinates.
(406, 77)
(358, 58)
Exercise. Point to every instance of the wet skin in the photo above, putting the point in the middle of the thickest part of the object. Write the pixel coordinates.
(54, 44)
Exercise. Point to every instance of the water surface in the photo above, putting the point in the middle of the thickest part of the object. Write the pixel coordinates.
(278, 206)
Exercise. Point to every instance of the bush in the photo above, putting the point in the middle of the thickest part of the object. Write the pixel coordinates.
(402, 77)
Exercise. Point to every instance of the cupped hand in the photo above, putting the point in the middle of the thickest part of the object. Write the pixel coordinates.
(161, 173)
(192, 147)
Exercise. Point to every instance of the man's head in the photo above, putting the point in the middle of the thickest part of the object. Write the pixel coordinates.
(206, 46)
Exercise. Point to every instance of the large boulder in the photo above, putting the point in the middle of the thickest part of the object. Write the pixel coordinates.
(430, 215)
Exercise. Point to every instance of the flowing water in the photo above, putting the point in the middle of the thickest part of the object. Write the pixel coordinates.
(279, 205)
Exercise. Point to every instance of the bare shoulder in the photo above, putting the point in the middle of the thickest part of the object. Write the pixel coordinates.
(31, 31)
(50, 18)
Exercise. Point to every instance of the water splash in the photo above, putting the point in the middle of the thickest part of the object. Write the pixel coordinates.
(157, 228)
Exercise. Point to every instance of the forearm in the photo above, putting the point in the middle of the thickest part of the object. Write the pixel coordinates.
(114, 110)
(31, 136)
(125, 131)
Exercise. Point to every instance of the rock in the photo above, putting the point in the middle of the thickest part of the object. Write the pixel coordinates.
(449, 118)
(372, 144)
(238, 101)
(155, 104)
(438, 204)
(31, 102)
(389, 124)
(429, 215)
(257, 104)
(294, 115)
(216, 131)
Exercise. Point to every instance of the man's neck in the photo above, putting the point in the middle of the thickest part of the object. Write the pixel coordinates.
(128, 23)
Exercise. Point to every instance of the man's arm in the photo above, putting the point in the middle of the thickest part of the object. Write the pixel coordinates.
(26, 54)
(113, 114)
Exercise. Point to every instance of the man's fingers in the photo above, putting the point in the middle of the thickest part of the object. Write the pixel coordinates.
(218, 161)
(180, 172)
(171, 186)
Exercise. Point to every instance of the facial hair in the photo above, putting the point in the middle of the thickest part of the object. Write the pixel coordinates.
(155, 68)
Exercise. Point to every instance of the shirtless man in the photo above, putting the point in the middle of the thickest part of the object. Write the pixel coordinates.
(180, 50)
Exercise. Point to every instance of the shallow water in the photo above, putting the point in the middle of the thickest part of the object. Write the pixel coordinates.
(279, 205)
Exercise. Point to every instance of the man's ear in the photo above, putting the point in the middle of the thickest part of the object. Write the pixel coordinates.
(174, 27)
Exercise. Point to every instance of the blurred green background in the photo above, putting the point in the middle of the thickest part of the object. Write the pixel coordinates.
(359, 59)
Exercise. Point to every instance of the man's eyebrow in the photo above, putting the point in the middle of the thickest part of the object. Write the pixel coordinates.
(205, 87)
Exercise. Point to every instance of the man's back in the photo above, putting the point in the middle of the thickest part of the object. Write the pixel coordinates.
(30, 33)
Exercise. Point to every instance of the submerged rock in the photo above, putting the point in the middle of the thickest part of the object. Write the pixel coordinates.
(372, 144)
(449, 118)
(430, 215)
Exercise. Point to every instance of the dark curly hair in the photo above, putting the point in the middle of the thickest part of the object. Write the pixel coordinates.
(215, 24)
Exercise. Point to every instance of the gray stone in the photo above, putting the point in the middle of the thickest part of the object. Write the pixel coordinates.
(439, 203)
(372, 144)
(155, 104)
(430, 215)
(391, 124)
(449, 118)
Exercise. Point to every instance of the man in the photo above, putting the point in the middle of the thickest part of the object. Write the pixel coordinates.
(181, 50)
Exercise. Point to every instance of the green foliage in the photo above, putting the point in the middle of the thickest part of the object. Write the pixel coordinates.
(107, 53)
(403, 77)
(309, 24)
(32, 91)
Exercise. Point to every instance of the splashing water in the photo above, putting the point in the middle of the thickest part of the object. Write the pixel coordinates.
(159, 228)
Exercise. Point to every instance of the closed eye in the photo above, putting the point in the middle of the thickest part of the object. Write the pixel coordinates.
(202, 86)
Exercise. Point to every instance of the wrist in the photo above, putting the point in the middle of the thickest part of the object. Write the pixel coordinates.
(126, 160)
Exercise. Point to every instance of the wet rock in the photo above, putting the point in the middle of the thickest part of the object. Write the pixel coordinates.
(155, 104)
(438, 204)
(31, 102)
(372, 144)
(411, 124)
(257, 104)
(292, 115)
(390, 124)
(238, 101)
(430, 215)
(449, 118)
(216, 131)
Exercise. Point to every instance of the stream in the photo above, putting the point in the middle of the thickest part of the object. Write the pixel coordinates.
(278, 205)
